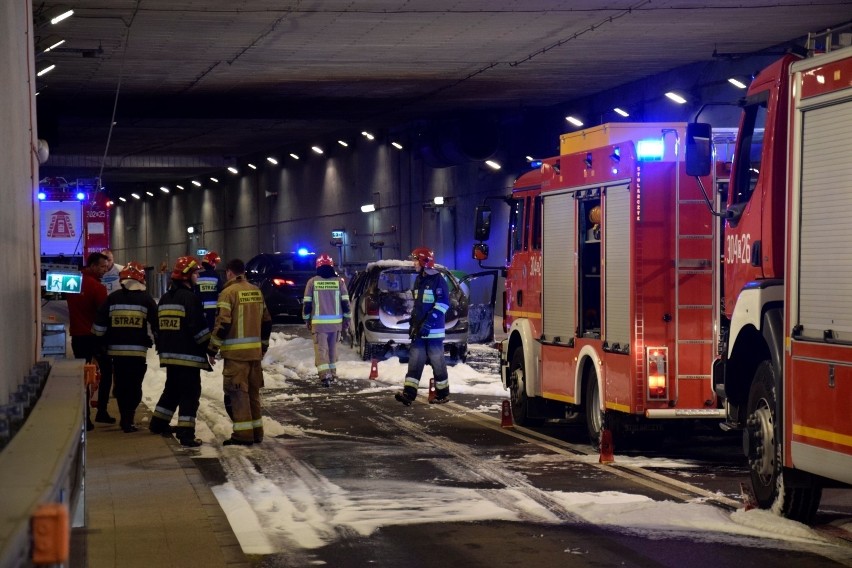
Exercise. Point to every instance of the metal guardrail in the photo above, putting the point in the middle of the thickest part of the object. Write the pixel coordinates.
(44, 464)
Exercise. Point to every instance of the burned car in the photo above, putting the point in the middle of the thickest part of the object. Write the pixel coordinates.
(382, 299)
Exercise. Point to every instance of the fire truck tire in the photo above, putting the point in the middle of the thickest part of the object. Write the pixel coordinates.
(518, 391)
(764, 453)
(594, 412)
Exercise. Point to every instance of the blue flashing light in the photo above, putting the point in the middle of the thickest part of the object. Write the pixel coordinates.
(303, 251)
(649, 150)
(42, 196)
(535, 164)
(81, 196)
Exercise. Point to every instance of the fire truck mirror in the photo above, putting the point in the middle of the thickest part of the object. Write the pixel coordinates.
(480, 251)
(698, 150)
(482, 228)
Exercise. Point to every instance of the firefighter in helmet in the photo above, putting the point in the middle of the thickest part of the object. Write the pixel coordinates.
(209, 286)
(325, 309)
(123, 323)
(182, 344)
(431, 302)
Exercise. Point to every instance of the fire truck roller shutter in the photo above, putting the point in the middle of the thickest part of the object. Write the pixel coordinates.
(616, 227)
(558, 266)
(826, 234)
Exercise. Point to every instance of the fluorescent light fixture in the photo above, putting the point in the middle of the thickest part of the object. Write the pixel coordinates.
(439, 200)
(574, 121)
(63, 16)
(164, 189)
(179, 186)
(233, 170)
(316, 149)
(252, 166)
(621, 111)
(294, 155)
(367, 135)
(50, 43)
(737, 83)
(676, 97)
(368, 208)
(530, 159)
(122, 199)
(149, 194)
(190, 229)
(272, 160)
(135, 196)
(396, 145)
(492, 164)
(196, 183)
(343, 143)
(44, 68)
(652, 149)
(214, 180)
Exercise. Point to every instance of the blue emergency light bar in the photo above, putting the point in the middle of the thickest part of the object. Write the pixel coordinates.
(650, 150)
(535, 164)
(303, 251)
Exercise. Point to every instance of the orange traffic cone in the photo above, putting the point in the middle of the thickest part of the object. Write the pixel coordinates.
(606, 447)
(506, 415)
(749, 502)
(374, 369)
(432, 392)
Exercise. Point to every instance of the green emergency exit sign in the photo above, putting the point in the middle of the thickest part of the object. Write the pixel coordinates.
(68, 283)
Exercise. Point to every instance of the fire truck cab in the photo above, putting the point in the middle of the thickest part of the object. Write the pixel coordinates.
(785, 362)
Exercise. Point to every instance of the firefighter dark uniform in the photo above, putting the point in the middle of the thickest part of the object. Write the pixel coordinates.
(431, 302)
(123, 323)
(241, 334)
(209, 285)
(182, 345)
(325, 309)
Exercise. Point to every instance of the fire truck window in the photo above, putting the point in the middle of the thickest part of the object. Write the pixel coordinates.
(536, 236)
(516, 227)
(589, 252)
(750, 151)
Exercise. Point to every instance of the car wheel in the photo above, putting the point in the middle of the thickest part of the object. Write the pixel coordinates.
(364, 348)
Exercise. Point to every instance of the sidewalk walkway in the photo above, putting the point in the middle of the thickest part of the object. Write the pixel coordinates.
(147, 505)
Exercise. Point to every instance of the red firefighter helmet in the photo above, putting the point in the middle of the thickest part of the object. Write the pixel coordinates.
(132, 270)
(184, 267)
(212, 258)
(324, 260)
(425, 256)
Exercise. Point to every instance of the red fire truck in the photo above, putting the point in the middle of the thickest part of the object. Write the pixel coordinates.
(611, 301)
(785, 364)
(74, 221)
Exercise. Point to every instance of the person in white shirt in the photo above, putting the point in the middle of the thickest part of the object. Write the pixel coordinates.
(110, 279)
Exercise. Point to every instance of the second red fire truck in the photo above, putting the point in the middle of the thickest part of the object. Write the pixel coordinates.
(611, 297)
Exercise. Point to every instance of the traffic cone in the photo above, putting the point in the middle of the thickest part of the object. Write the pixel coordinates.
(374, 369)
(749, 502)
(606, 447)
(432, 392)
(506, 415)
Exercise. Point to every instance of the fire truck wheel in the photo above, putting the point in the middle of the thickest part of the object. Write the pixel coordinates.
(594, 413)
(764, 453)
(518, 391)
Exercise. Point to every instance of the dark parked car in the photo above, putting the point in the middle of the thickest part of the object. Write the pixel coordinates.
(282, 277)
(382, 300)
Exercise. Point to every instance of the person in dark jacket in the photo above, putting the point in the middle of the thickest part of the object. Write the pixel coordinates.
(209, 286)
(431, 302)
(182, 345)
(123, 323)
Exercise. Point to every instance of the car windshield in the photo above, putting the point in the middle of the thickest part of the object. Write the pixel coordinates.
(294, 263)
